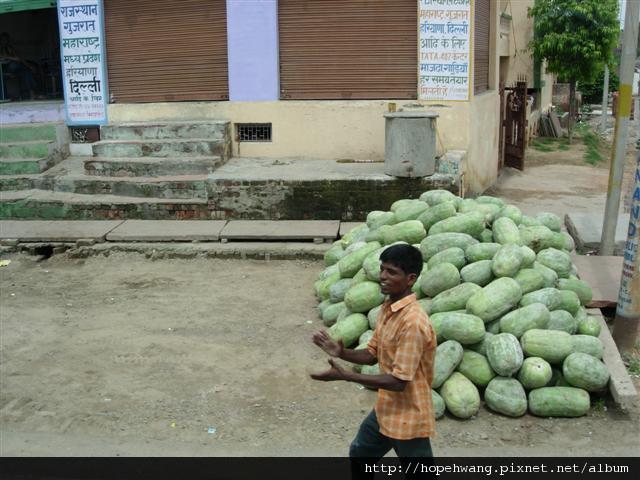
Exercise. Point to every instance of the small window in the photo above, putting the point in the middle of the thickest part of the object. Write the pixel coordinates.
(253, 132)
(84, 134)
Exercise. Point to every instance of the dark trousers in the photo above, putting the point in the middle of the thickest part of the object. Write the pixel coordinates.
(370, 445)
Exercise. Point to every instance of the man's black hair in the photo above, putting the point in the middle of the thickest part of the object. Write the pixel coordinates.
(406, 257)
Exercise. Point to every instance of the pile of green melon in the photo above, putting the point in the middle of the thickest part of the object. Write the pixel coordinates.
(501, 292)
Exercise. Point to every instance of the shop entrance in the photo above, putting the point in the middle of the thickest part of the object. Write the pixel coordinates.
(29, 52)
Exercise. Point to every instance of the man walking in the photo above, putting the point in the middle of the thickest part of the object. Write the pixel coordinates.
(403, 345)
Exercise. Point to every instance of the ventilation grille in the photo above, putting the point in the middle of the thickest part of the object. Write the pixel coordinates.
(84, 134)
(253, 132)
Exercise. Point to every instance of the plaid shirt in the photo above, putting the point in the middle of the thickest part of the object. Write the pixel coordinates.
(405, 344)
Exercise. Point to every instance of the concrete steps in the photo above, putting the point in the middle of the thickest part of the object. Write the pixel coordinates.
(151, 166)
(46, 205)
(212, 130)
(31, 148)
(159, 148)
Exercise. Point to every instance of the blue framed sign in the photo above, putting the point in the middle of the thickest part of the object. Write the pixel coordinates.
(82, 52)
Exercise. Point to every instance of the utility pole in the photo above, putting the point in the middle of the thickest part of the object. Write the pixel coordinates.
(627, 322)
(618, 153)
(605, 99)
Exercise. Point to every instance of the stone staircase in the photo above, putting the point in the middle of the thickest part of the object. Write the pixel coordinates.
(32, 148)
(149, 171)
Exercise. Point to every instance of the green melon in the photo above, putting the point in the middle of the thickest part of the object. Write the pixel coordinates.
(410, 231)
(435, 197)
(486, 236)
(410, 212)
(322, 305)
(448, 357)
(535, 237)
(559, 402)
(569, 301)
(484, 199)
(462, 327)
(377, 218)
(330, 314)
(344, 313)
(479, 273)
(352, 262)
(439, 278)
(557, 260)
(349, 329)
(481, 251)
(495, 299)
(552, 345)
(470, 223)
(460, 396)
(436, 323)
(453, 255)
(505, 231)
(453, 299)
(550, 276)
(529, 280)
(335, 253)
(512, 212)
(481, 346)
(434, 244)
(582, 289)
(588, 344)
(504, 354)
(359, 277)
(507, 261)
(323, 286)
(493, 326)
(590, 326)
(517, 322)
(436, 213)
(585, 371)
(438, 404)
(562, 320)
(365, 337)
(363, 297)
(528, 257)
(371, 265)
(550, 297)
(534, 373)
(550, 220)
(476, 368)
(506, 396)
(416, 286)
(404, 202)
(338, 289)
(372, 316)
(528, 221)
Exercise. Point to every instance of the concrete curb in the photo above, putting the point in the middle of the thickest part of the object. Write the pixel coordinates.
(241, 250)
(622, 389)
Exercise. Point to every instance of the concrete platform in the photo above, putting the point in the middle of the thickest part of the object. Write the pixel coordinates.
(586, 230)
(56, 231)
(270, 230)
(167, 231)
(603, 275)
(620, 385)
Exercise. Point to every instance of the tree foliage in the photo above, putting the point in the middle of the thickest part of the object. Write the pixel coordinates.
(575, 37)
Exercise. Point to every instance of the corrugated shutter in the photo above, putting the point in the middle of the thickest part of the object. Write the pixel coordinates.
(166, 50)
(348, 49)
(482, 26)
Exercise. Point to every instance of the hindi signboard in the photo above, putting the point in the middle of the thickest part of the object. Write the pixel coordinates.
(444, 50)
(82, 52)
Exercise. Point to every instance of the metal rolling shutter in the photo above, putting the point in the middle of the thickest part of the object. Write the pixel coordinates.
(166, 50)
(482, 25)
(348, 49)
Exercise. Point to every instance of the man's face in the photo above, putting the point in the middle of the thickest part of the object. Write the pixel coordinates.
(393, 280)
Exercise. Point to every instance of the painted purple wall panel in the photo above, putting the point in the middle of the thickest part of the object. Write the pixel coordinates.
(252, 36)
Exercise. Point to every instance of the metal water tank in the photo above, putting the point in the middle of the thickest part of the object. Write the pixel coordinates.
(410, 144)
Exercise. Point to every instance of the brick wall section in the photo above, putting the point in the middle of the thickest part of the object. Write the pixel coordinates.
(346, 200)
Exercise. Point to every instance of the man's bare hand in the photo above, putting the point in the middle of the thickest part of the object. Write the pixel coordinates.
(332, 348)
(336, 372)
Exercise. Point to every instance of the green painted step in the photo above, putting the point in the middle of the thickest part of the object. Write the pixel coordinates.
(34, 149)
(28, 132)
(43, 205)
(160, 148)
(21, 166)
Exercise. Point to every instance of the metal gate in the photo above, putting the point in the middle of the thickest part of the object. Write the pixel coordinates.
(514, 110)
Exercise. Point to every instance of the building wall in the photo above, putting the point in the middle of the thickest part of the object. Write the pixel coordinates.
(336, 129)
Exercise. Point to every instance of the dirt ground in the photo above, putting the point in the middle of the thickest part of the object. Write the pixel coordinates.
(122, 355)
